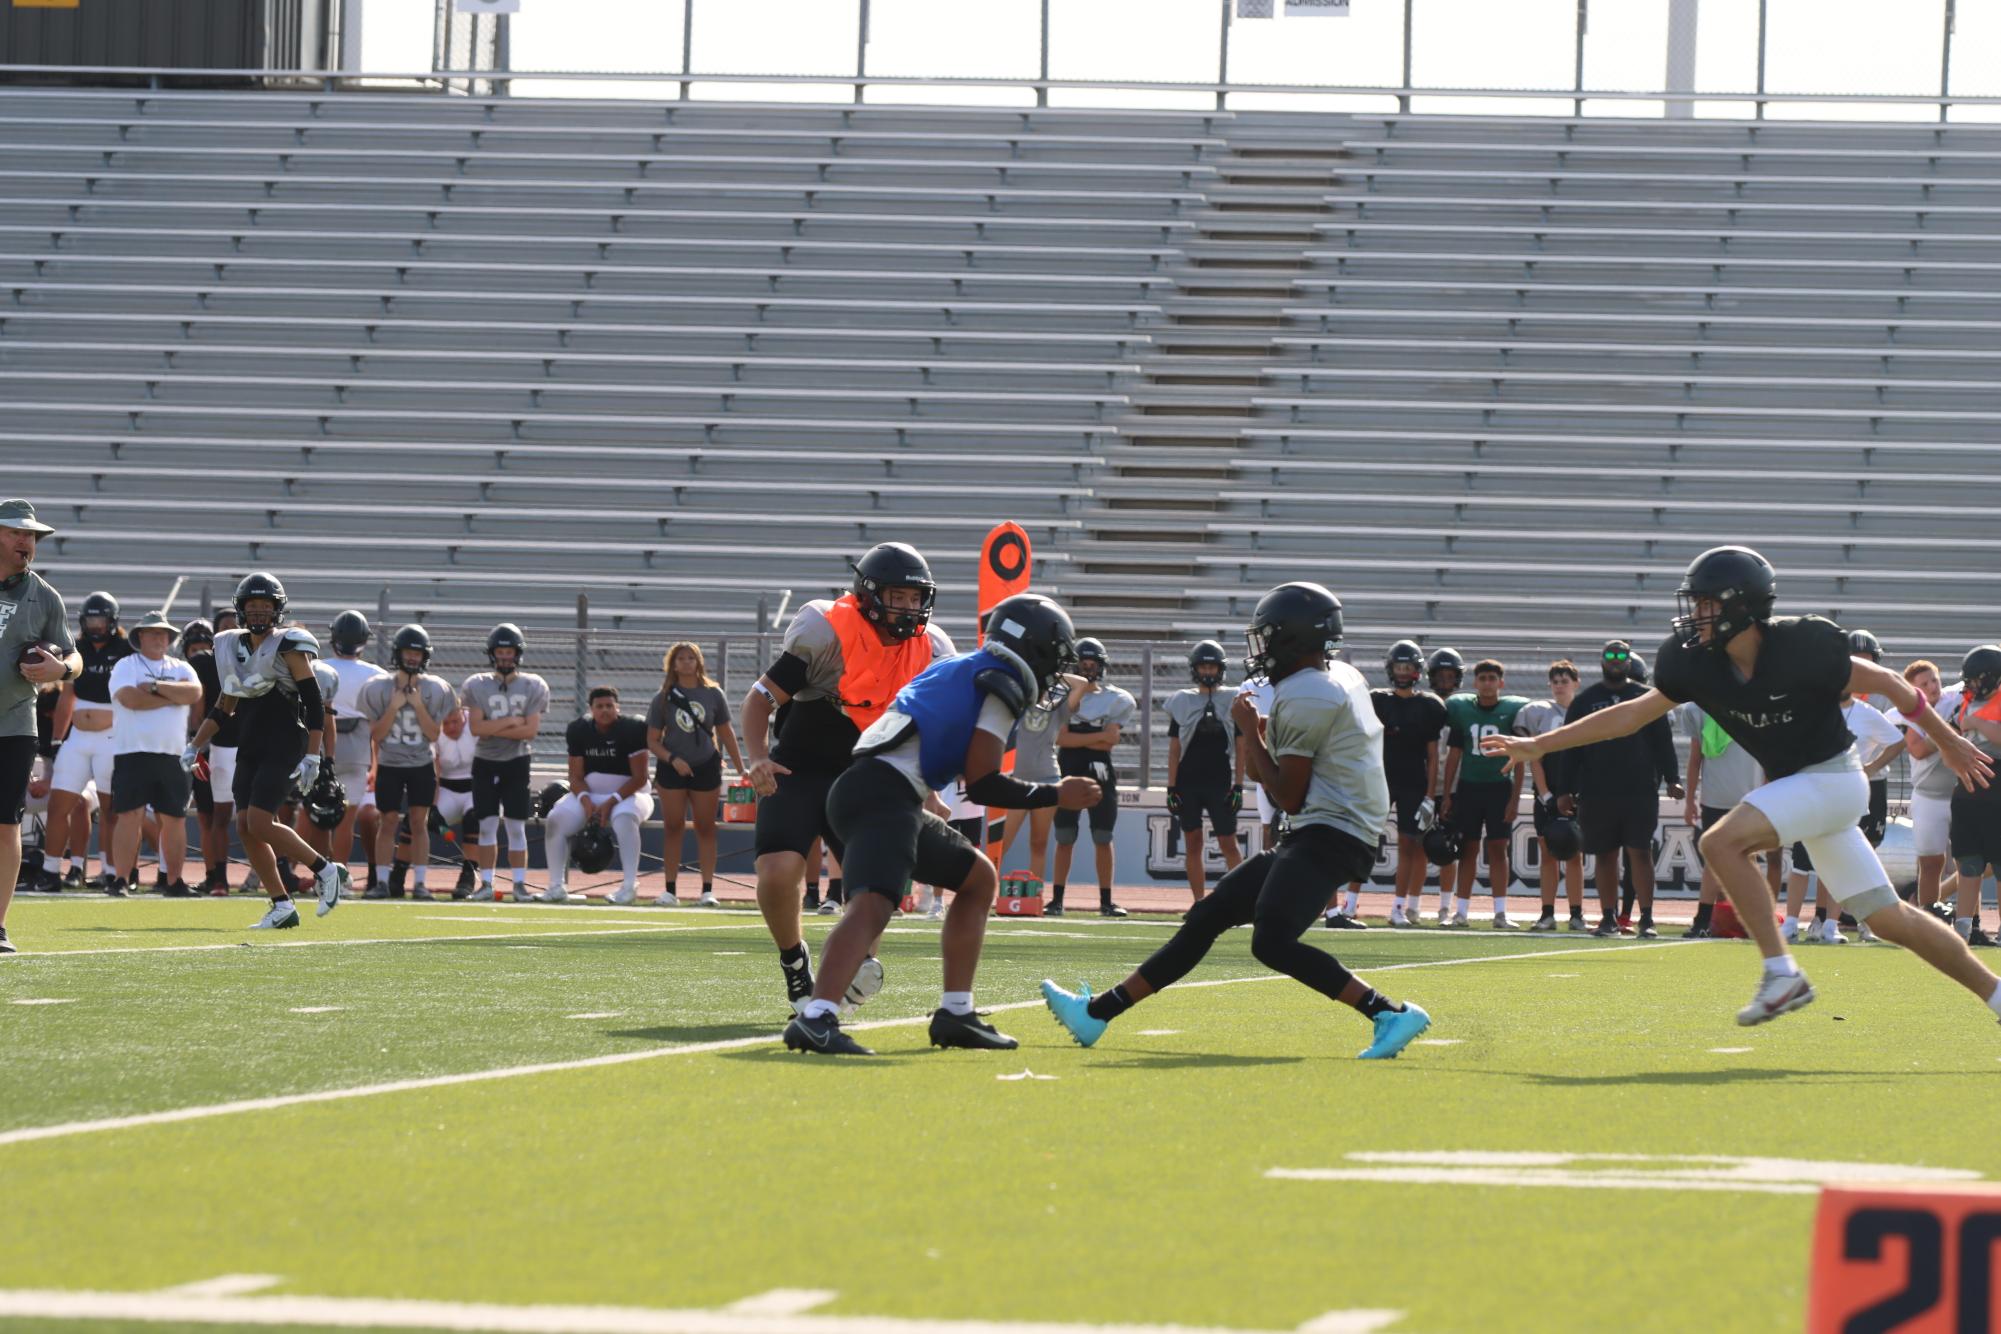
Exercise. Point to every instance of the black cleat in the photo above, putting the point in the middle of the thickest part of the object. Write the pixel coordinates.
(1979, 939)
(6, 945)
(1940, 911)
(160, 882)
(462, 887)
(73, 878)
(101, 882)
(180, 889)
(45, 882)
(967, 1030)
(116, 890)
(1340, 921)
(811, 903)
(398, 877)
(824, 1035)
(1053, 909)
(1110, 909)
(1696, 933)
(376, 890)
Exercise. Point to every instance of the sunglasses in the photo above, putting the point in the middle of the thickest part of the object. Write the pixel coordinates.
(1618, 657)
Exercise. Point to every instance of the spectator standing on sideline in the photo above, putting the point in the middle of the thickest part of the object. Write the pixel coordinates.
(87, 749)
(1202, 758)
(1482, 798)
(31, 613)
(684, 723)
(404, 710)
(152, 693)
(1098, 715)
(608, 786)
(1539, 718)
(354, 745)
(1615, 785)
(1412, 719)
(1932, 786)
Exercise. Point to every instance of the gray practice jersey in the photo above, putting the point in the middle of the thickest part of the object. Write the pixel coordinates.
(31, 612)
(1538, 717)
(1091, 710)
(1328, 715)
(1726, 775)
(1206, 755)
(688, 718)
(352, 748)
(253, 674)
(404, 745)
(1035, 741)
(516, 695)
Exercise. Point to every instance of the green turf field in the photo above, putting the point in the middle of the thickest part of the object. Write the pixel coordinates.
(1219, 1160)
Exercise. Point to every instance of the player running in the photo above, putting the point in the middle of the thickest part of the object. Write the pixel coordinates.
(1775, 684)
(1320, 754)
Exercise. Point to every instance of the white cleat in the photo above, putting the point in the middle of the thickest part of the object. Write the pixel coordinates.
(1790, 933)
(829, 908)
(330, 882)
(283, 915)
(1865, 935)
(521, 895)
(667, 900)
(1777, 994)
(623, 895)
(484, 894)
(937, 913)
(709, 900)
(555, 894)
(1830, 933)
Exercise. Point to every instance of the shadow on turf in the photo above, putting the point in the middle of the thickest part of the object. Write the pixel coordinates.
(676, 1037)
(154, 930)
(1699, 1078)
(1193, 1060)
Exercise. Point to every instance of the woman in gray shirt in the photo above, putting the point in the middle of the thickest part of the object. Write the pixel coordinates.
(683, 725)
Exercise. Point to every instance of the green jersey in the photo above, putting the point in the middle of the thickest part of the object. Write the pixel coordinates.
(1469, 722)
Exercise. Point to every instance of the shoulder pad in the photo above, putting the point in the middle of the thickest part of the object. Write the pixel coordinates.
(298, 640)
(1004, 686)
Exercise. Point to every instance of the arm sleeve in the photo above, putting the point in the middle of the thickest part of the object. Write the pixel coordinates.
(312, 704)
(788, 673)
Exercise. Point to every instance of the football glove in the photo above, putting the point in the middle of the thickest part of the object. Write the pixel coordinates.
(189, 758)
(307, 773)
(1237, 797)
(1174, 800)
(1427, 814)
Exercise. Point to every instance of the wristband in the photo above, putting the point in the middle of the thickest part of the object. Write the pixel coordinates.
(1917, 715)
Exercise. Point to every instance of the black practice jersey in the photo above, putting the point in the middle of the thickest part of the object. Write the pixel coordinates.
(1410, 725)
(607, 752)
(1788, 714)
(93, 683)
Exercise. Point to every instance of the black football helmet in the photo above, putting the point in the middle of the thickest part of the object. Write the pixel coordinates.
(410, 638)
(1636, 670)
(1404, 653)
(99, 607)
(1091, 659)
(1204, 655)
(1442, 661)
(349, 632)
(1291, 622)
(1741, 583)
(1037, 632)
(546, 799)
(1862, 644)
(1981, 670)
(325, 802)
(267, 588)
(195, 635)
(1562, 838)
(894, 565)
(506, 635)
(592, 849)
(1442, 844)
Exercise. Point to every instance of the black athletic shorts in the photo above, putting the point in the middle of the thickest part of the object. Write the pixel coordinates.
(1709, 816)
(1213, 802)
(403, 786)
(792, 817)
(1488, 807)
(1288, 885)
(708, 776)
(140, 779)
(1079, 762)
(892, 840)
(264, 772)
(1406, 802)
(204, 795)
(501, 787)
(1877, 821)
(17, 766)
(1609, 821)
(1976, 829)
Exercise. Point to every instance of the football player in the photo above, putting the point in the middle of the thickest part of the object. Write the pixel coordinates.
(1412, 718)
(608, 786)
(504, 708)
(1481, 800)
(1320, 754)
(85, 760)
(1775, 684)
(1202, 757)
(354, 745)
(1445, 672)
(1536, 718)
(841, 664)
(269, 685)
(31, 616)
(404, 710)
(1094, 722)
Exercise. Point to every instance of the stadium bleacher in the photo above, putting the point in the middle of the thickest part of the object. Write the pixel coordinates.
(1495, 378)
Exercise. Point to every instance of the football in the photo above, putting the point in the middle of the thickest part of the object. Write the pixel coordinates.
(43, 649)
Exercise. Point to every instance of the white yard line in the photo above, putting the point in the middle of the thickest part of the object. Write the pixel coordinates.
(29, 1134)
(21, 959)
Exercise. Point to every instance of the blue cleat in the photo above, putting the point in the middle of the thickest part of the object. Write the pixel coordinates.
(1394, 1031)
(1073, 1012)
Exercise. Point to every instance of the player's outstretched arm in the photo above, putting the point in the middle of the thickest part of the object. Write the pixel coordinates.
(1617, 721)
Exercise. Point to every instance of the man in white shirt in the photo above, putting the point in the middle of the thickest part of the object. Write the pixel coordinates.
(1931, 796)
(151, 694)
(454, 750)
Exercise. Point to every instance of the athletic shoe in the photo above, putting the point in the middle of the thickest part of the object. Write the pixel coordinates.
(220, 890)
(1110, 909)
(1501, 923)
(1940, 911)
(6, 945)
(1402, 921)
(100, 882)
(1073, 1011)
(1979, 939)
(1394, 1031)
(1578, 922)
(1647, 930)
(1865, 935)
(937, 913)
(160, 881)
(926, 902)
(1054, 908)
(1830, 934)
(666, 900)
(252, 883)
(376, 890)
(1452, 924)
(179, 889)
(1777, 994)
(553, 894)
(423, 894)
(822, 1035)
(1790, 933)
(709, 900)
(463, 887)
(1544, 923)
(829, 908)
(1625, 921)
(811, 903)
(282, 916)
(330, 881)
(116, 890)
(398, 877)
(969, 1031)
(1696, 933)
(73, 878)
(798, 982)
(521, 894)
(1340, 921)
(1607, 929)
(622, 895)
(45, 881)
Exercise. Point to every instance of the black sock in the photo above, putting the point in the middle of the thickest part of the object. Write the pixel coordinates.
(1374, 1002)
(1702, 912)
(397, 867)
(318, 864)
(836, 892)
(812, 891)
(1104, 893)
(1548, 912)
(371, 870)
(1626, 905)
(1820, 913)
(708, 887)
(1577, 914)
(1110, 1005)
(793, 955)
(1056, 893)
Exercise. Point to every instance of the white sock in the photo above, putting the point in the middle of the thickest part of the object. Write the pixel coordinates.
(417, 876)
(1353, 903)
(1792, 923)
(1994, 1001)
(53, 865)
(486, 877)
(1396, 905)
(520, 876)
(1459, 911)
(821, 1009)
(958, 1002)
(1500, 905)
(1782, 966)
(627, 833)
(1963, 925)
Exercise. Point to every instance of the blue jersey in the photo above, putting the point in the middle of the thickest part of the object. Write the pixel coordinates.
(944, 704)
